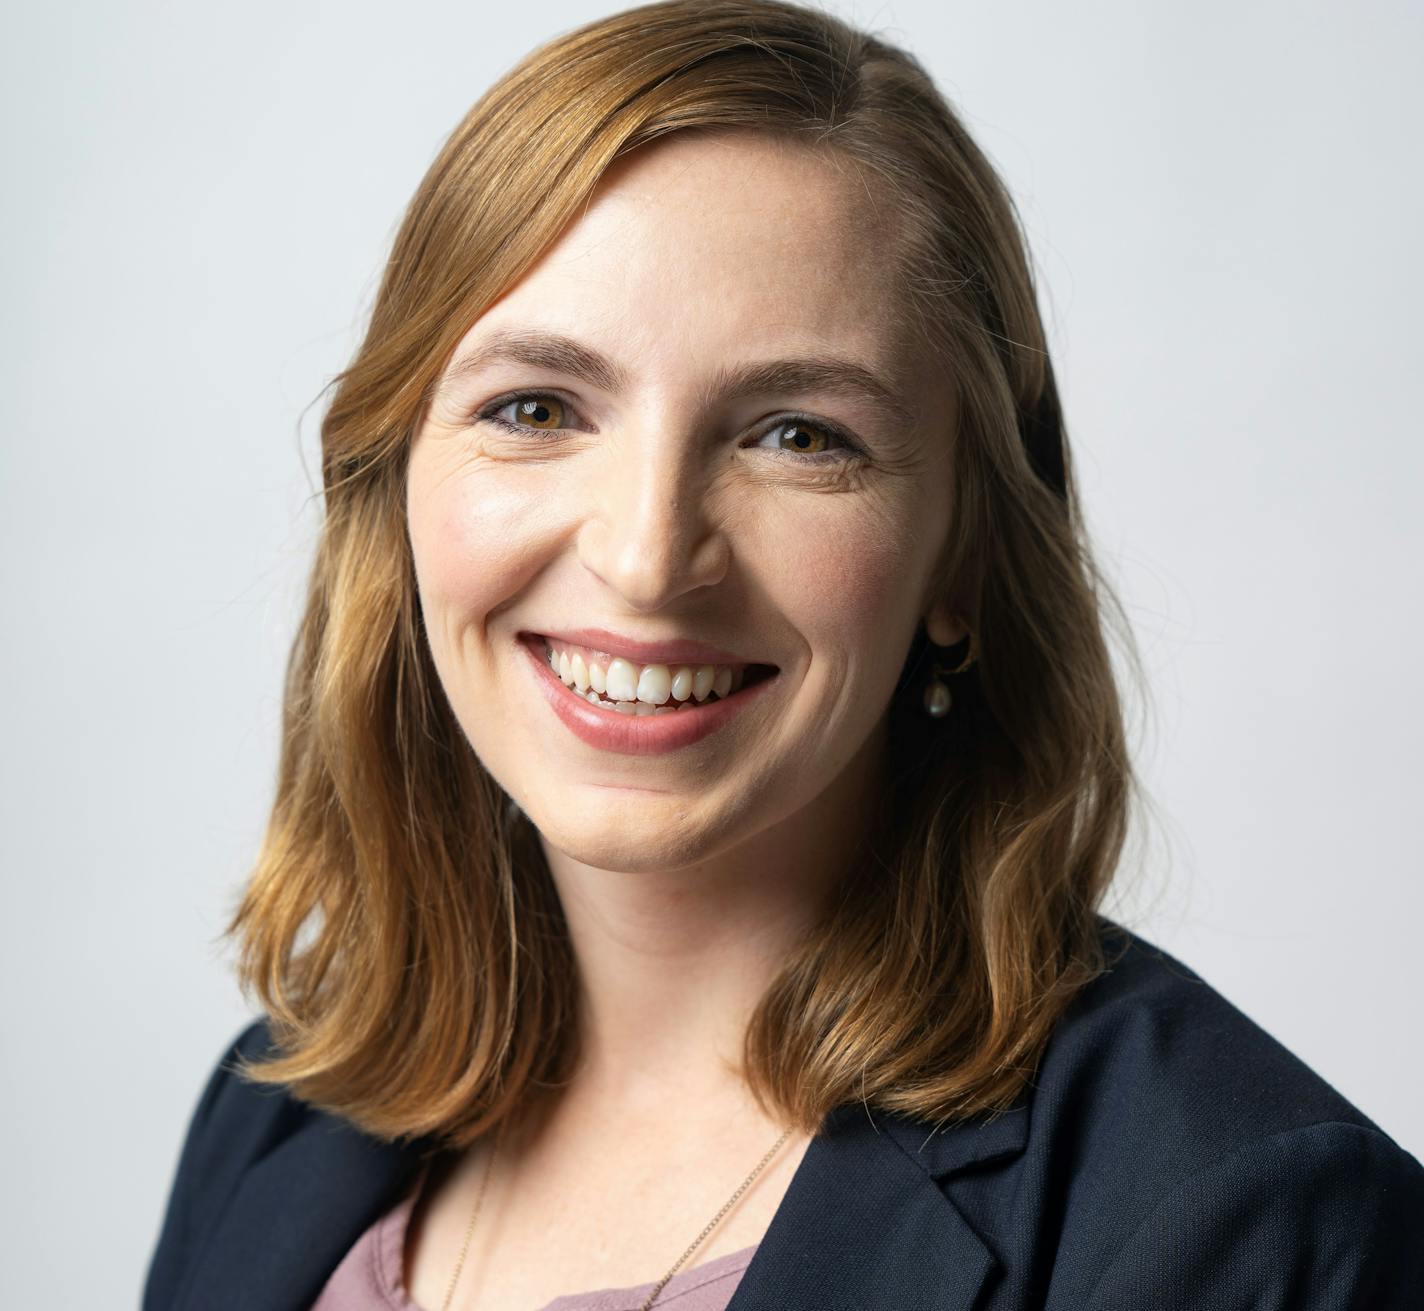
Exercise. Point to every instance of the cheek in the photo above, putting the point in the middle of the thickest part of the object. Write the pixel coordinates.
(853, 591)
(471, 538)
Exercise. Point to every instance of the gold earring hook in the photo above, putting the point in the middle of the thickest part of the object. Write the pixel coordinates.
(968, 660)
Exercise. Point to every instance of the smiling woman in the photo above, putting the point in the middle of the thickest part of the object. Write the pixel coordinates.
(726, 451)
(703, 764)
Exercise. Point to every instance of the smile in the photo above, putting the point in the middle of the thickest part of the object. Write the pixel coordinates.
(616, 705)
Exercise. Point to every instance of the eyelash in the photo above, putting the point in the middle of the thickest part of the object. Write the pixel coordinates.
(852, 450)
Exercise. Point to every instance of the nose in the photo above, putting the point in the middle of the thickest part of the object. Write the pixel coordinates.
(650, 534)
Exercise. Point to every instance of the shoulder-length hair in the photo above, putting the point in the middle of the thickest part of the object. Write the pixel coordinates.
(401, 928)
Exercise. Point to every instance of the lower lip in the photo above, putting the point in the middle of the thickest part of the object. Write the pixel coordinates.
(634, 735)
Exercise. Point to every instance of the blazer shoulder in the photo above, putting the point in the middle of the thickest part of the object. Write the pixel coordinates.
(1323, 1216)
(1160, 1108)
(234, 1123)
(1190, 1058)
(237, 1120)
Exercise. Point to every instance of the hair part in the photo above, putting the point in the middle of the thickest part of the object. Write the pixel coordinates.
(401, 927)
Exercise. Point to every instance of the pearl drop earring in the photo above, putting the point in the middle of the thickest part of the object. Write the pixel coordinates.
(938, 699)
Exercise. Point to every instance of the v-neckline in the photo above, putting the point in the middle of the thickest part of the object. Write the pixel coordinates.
(391, 1258)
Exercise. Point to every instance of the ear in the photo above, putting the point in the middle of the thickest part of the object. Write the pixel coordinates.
(944, 627)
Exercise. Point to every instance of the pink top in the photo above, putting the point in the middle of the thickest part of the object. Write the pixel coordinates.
(371, 1277)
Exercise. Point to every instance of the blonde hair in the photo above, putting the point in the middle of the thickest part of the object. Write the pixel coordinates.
(401, 928)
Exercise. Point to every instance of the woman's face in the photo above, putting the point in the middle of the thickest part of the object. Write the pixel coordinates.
(716, 429)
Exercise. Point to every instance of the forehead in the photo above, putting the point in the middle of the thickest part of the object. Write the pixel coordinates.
(726, 244)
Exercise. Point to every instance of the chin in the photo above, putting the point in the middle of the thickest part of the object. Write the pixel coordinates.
(631, 830)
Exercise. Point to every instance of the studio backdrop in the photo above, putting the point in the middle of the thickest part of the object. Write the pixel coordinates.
(1224, 208)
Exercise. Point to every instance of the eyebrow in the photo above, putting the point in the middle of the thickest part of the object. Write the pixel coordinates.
(561, 354)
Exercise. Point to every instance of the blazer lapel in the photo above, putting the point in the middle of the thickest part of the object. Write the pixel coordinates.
(865, 1223)
(294, 1215)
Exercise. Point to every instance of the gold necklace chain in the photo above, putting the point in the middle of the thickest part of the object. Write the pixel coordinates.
(662, 1283)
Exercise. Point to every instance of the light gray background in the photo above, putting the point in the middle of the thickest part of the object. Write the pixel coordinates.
(1224, 200)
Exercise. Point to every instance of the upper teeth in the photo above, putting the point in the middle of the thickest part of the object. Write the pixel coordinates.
(622, 680)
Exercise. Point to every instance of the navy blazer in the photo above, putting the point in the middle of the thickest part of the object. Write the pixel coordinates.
(1169, 1154)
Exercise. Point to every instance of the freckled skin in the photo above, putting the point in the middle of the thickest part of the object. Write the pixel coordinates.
(656, 514)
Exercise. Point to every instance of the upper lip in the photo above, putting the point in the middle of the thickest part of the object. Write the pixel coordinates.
(667, 651)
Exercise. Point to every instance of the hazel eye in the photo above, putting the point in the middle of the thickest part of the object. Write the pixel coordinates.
(536, 412)
(805, 438)
(812, 442)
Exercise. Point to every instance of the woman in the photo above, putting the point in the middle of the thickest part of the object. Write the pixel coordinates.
(702, 765)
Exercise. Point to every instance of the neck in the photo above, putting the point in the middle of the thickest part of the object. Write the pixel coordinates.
(673, 963)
